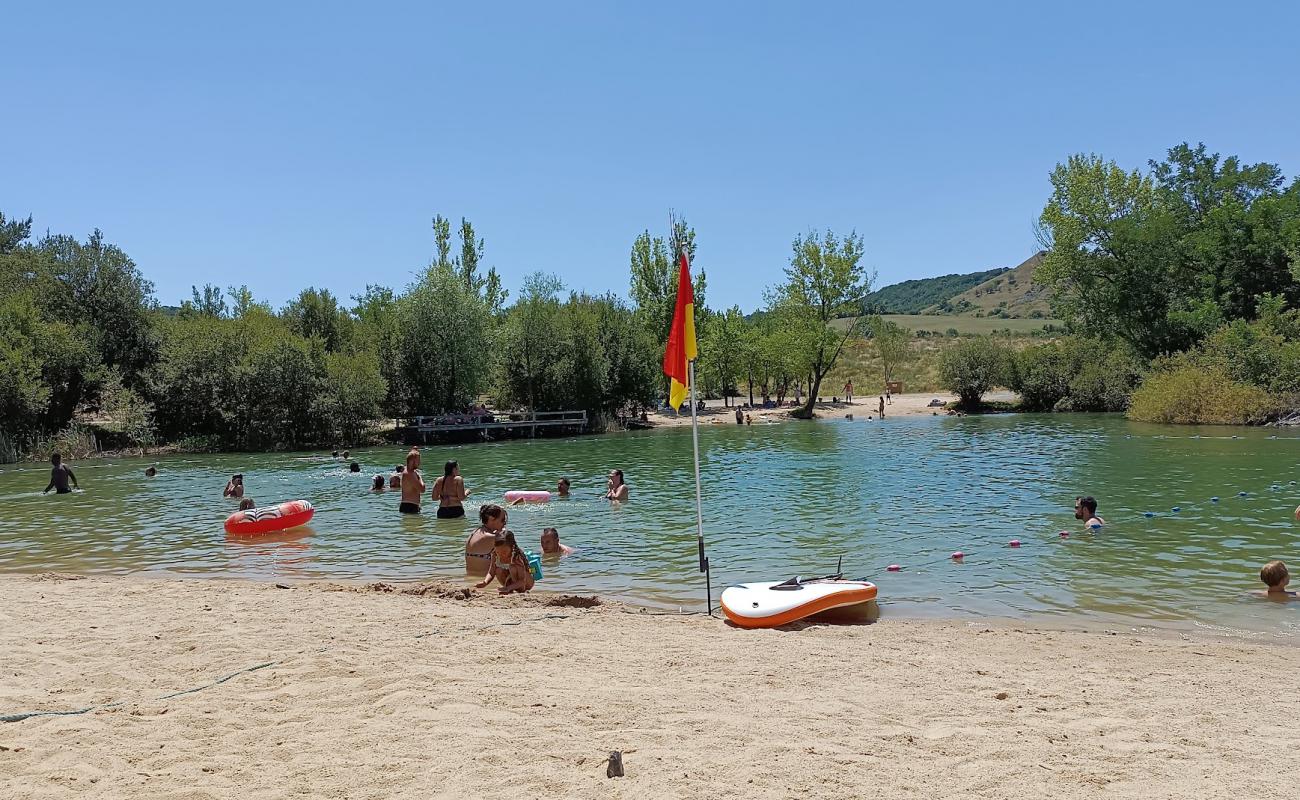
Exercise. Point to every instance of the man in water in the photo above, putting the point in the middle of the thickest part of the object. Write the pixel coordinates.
(1085, 508)
(395, 480)
(59, 476)
(412, 485)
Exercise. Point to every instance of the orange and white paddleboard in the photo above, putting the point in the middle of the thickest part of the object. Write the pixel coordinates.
(768, 605)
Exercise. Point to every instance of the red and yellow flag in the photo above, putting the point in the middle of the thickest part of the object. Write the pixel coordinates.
(681, 337)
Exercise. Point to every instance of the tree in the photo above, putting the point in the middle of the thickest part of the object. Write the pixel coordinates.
(722, 356)
(445, 343)
(893, 344)
(488, 287)
(355, 390)
(973, 367)
(533, 345)
(315, 313)
(207, 302)
(824, 282)
(654, 270)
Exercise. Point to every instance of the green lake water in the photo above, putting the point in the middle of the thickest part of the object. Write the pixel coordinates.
(779, 500)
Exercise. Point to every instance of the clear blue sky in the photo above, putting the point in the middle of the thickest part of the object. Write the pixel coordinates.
(247, 143)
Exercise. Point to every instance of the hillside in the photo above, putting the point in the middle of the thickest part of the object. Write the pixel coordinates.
(1011, 293)
(910, 297)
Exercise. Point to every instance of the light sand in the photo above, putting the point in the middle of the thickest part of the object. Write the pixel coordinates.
(381, 695)
(862, 408)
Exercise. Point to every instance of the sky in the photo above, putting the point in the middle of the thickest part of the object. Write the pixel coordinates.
(284, 146)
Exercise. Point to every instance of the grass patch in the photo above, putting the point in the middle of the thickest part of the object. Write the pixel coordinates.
(939, 324)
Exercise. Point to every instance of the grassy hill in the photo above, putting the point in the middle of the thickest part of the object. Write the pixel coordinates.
(1011, 294)
(911, 297)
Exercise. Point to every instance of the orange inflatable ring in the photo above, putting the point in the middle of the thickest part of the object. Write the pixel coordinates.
(257, 521)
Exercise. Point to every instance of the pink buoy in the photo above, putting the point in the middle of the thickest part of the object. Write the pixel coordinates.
(1013, 543)
(893, 568)
(958, 556)
(1065, 534)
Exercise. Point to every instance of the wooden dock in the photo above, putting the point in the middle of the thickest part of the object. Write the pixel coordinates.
(491, 426)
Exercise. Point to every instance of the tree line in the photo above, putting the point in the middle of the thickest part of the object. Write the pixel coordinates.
(1179, 285)
(84, 340)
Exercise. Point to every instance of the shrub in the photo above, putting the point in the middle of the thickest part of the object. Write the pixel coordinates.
(1187, 395)
(1074, 374)
(973, 367)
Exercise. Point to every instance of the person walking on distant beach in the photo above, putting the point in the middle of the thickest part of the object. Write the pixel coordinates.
(450, 492)
(412, 485)
(60, 474)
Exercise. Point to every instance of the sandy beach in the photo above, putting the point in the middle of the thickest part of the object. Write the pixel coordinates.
(864, 408)
(354, 692)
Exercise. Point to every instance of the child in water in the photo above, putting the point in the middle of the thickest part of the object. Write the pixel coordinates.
(1275, 576)
(377, 483)
(509, 566)
(60, 474)
(246, 504)
(551, 543)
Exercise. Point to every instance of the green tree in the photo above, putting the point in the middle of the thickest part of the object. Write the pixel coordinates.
(721, 352)
(654, 269)
(534, 342)
(355, 392)
(892, 342)
(445, 343)
(315, 314)
(973, 367)
(825, 281)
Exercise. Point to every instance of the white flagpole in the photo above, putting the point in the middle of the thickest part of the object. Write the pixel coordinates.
(699, 507)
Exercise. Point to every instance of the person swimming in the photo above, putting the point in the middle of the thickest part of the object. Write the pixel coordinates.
(354, 467)
(395, 480)
(616, 487)
(1085, 508)
(551, 545)
(234, 487)
(1275, 576)
(246, 504)
(450, 492)
(412, 485)
(377, 483)
(478, 547)
(562, 488)
(150, 471)
(508, 565)
(60, 474)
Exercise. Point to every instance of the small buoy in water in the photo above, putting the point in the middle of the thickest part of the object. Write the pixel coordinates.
(893, 568)
(1242, 494)
(1214, 499)
(1064, 534)
(958, 556)
(1176, 509)
(1013, 543)
(1149, 514)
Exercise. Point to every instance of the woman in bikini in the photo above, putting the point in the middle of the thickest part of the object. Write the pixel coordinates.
(449, 491)
(479, 545)
(508, 565)
(412, 485)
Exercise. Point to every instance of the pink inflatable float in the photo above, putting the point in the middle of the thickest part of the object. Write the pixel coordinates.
(528, 497)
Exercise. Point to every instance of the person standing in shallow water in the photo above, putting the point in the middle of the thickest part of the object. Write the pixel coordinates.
(412, 485)
(60, 474)
(616, 487)
(449, 490)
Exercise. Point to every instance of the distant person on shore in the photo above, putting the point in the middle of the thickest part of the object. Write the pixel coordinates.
(551, 543)
(616, 487)
(450, 492)
(888, 398)
(1276, 577)
(882, 407)
(508, 565)
(1085, 508)
(749, 419)
(354, 467)
(234, 487)
(151, 471)
(412, 485)
(60, 474)
(478, 547)
(562, 488)
(377, 483)
(740, 416)
(395, 480)
(848, 391)
(247, 504)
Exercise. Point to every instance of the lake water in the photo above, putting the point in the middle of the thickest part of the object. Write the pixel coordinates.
(779, 500)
